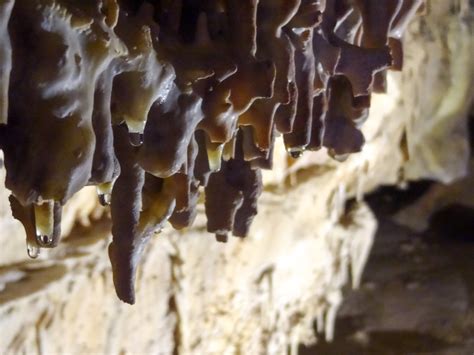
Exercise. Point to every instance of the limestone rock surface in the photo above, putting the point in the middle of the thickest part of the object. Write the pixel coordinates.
(260, 294)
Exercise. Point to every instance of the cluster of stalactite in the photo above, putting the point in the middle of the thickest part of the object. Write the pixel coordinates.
(155, 101)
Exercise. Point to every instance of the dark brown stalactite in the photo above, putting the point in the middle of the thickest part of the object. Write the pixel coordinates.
(125, 210)
(155, 101)
(341, 135)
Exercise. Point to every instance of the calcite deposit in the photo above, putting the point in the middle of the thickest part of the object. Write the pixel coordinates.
(260, 294)
(152, 101)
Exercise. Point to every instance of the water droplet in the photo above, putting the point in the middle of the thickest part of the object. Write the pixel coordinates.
(44, 240)
(214, 155)
(104, 192)
(136, 139)
(105, 199)
(33, 251)
(44, 221)
(295, 152)
(296, 155)
(341, 158)
(338, 157)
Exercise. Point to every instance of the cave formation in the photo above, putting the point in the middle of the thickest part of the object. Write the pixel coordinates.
(156, 102)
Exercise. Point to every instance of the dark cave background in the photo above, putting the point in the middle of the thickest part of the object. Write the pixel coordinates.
(417, 292)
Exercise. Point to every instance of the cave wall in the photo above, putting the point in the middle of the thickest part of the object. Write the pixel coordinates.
(260, 294)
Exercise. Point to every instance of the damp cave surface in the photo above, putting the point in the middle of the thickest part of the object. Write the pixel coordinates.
(239, 172)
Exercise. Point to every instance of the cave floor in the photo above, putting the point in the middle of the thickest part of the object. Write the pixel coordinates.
(417, 292)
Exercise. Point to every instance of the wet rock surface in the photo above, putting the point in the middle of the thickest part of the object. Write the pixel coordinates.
(260, 294)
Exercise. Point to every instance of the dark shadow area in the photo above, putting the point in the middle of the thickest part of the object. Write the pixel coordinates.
(454, 223)
(349, 342)
(388, 200)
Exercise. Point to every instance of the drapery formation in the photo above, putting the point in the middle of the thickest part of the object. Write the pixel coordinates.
(154, 101)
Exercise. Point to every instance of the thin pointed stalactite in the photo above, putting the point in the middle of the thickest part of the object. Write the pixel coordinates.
(154, 102)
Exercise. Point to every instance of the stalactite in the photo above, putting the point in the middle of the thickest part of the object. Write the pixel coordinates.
(151, 101)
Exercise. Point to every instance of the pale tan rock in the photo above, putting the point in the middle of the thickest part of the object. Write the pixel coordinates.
(437, 132)
(261, 294)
